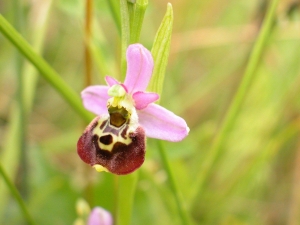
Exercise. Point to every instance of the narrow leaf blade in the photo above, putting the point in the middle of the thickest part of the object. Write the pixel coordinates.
(160, 51)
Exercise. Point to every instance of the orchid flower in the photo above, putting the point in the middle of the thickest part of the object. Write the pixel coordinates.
(115, 140)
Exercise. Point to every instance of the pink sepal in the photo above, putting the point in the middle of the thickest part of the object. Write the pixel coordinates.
(161, 123)
(139, 68)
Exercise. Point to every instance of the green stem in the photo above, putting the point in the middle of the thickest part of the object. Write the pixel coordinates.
(214, 153)
(160, 52)
(18, 15)
(10, 154)
(46, 71)
(137, 20)
(125, 30)
(126, 184)
(178, 198)
(17, 196)
(131, 10)
(125, 197)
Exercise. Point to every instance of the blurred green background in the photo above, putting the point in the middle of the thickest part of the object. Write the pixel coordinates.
(256, 176)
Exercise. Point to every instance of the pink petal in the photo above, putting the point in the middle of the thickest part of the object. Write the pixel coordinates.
(111, 81)
(95, 99)
(100, 216)
(142, 99)
(161, 123)
(139, 68)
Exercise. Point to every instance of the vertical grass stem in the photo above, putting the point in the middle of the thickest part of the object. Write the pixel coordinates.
(17, 196)
(228, 122)
(18, 21)
(125, 31)
(178, 198)
(46, 70)
(125, 197)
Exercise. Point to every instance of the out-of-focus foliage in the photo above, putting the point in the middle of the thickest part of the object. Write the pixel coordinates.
(256, 177)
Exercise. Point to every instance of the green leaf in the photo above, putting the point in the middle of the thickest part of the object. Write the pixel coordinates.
(160, 51)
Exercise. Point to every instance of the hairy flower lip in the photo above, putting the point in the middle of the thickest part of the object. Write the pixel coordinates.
(122, 159)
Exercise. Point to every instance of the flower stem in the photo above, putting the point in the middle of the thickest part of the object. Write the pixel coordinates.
(131, 10)
(125, 197)
(185, 220)
(125, 31)
(228, 122)
(137, 20)
(126, 184)
(88, 34)
(17, 196)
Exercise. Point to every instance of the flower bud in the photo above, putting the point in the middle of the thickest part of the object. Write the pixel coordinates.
(100, 216)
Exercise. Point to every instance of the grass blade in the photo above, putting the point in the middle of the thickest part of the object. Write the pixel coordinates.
(46, 70)
(249, 75)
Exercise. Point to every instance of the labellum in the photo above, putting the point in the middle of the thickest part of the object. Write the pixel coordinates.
(114, 143)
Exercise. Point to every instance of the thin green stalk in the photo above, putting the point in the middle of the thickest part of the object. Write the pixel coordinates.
(18, 20)
(207, 168)
(125, 197)
(10, 152)
(178, 198)
(254, 166)
(125, 30)
(248, 171)
(160, 53)
(46, 71)
(137, 20)
(17, 196)
(39, 30)
(126, 184)
(10, 156)
(131, 10)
